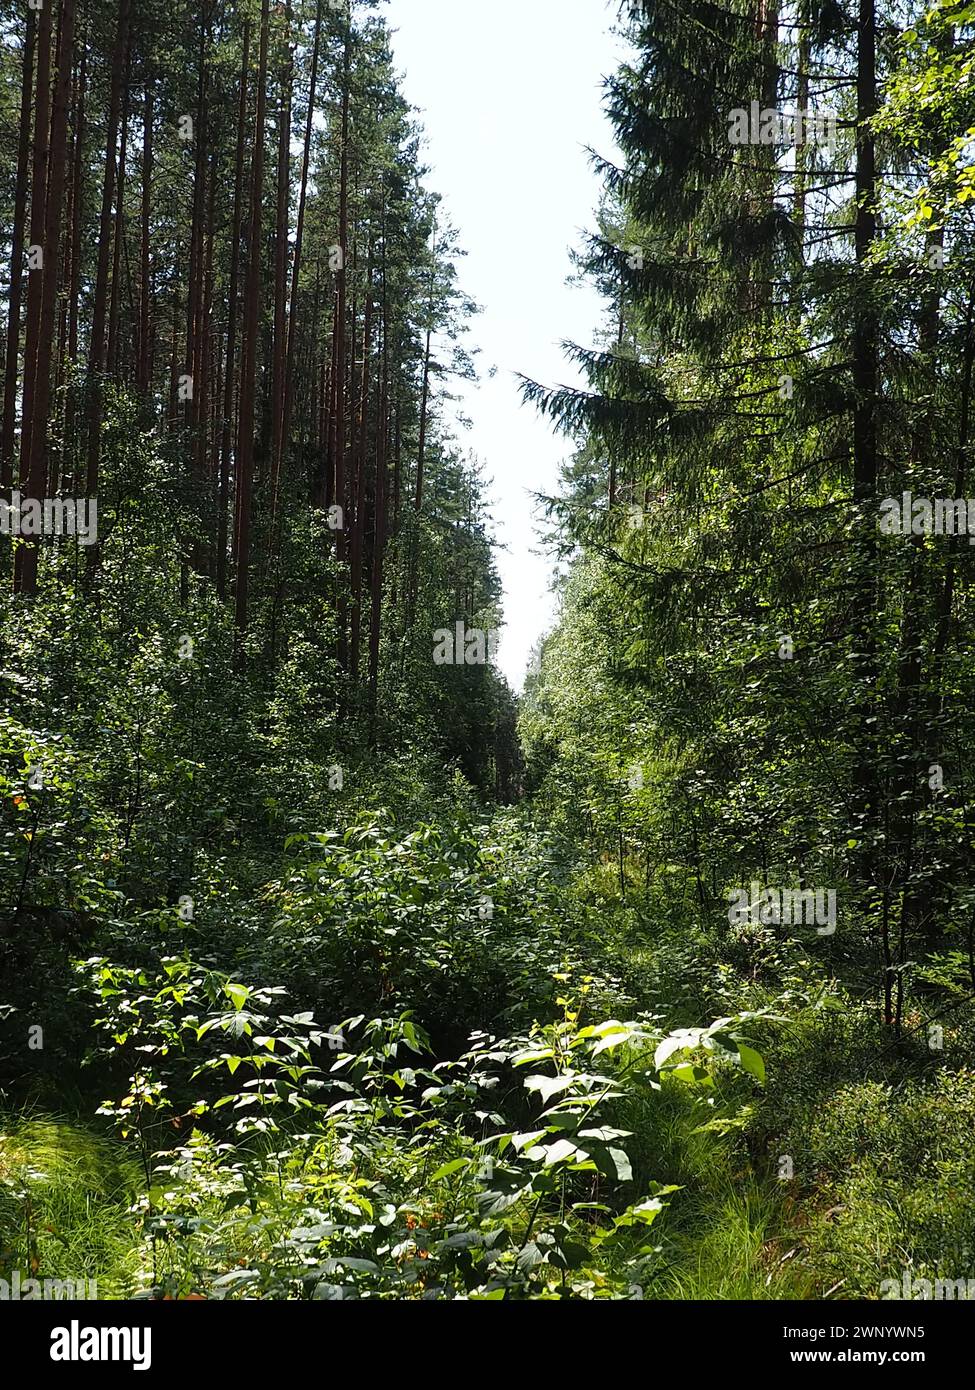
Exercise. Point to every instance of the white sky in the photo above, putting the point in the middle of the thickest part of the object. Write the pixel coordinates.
(508, 92)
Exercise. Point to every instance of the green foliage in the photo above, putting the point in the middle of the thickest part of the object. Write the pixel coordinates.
(359, 1027)
(897, 1168)
(456, 920)
(373, 1174)
(65, 1197)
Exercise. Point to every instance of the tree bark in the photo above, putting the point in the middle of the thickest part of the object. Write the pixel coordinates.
(289, 382)
(40, 157)
(227, 433)
(77, 206)
(865, 382)
(379, 514)
(25, 570)
(359, 518)
(248, 373)
(144, 377)
(96, 356)
(280, 347)
(11, 363)
(112, 352)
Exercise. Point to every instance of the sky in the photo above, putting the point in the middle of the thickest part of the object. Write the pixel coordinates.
(509, 95)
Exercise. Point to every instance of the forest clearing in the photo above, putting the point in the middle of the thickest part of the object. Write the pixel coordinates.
(334, 967)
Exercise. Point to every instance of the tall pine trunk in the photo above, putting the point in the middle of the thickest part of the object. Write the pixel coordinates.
(248, 370)
(35, 461)
(865, 383)
(227, 428)
(359, 515)
(379, 515)
(11, 364)
(339, 358)
(40, 156)
(144, 375)
(115, 299)
(96, 356)
(290, 362)
(280, 346)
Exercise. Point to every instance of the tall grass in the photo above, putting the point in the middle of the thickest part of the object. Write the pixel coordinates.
(65, 1198)
(725, 1234)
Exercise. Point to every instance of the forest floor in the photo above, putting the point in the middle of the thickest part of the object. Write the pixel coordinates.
(771, 1173)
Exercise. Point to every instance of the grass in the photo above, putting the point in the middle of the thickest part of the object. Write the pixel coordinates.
(65, 1195)
(726, 1234)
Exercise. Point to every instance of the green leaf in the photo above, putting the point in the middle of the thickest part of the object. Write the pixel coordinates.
(621, 1164)
(524, 1141)
(237, 994)
(562, 1151)
(548, 1086)
(454, 1166)
(680, 1041)
(752, 1063)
